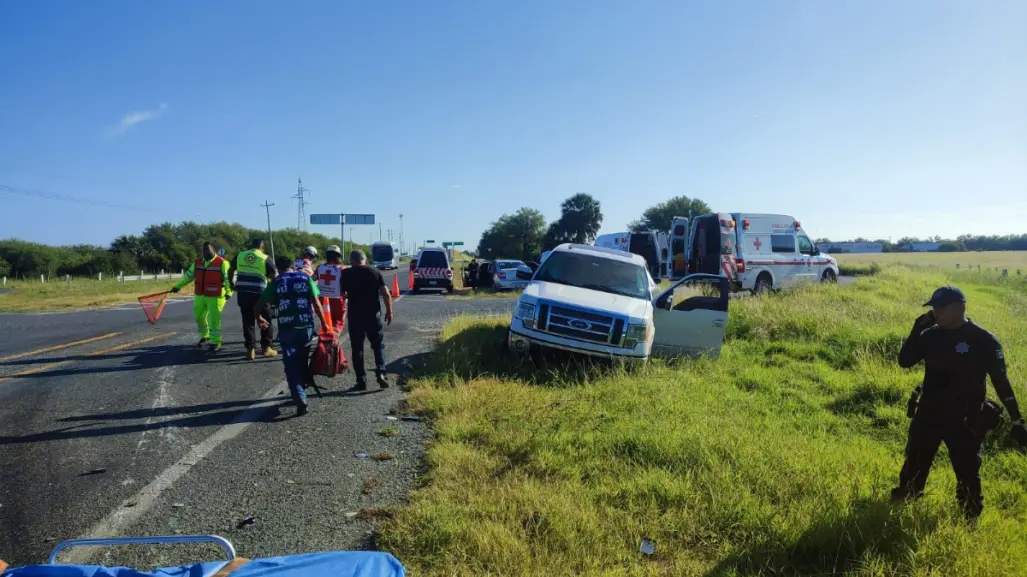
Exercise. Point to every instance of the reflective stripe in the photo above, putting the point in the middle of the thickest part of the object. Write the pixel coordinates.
(251, 268)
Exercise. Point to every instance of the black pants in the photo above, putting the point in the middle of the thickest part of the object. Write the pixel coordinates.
(371, 328)
(249, 321)
(964, 451)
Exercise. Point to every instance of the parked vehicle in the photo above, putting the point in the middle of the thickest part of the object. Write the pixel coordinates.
(385, 255)
(432, 270)
(602, 302)
(504, 274)
(773, 252)
(644, 244)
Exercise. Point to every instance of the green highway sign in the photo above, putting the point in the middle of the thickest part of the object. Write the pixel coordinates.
(461, 243)
(429, 242)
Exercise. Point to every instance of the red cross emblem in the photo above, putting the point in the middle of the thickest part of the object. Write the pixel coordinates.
(757, 243)
(327, 276)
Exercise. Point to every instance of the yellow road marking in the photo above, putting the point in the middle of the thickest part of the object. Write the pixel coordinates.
(49, 366)
(57, 347)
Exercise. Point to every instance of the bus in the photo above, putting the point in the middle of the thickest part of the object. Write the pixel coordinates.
(385, 255)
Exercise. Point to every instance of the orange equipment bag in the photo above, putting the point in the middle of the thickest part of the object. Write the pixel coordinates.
(328, 359)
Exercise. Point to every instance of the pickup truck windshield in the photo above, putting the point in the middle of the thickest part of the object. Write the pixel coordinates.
(583, 270)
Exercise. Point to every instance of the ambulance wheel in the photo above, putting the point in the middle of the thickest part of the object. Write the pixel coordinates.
(763, 284)
(829, 276)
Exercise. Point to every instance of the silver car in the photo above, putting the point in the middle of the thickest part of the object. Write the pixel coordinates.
(504, 274)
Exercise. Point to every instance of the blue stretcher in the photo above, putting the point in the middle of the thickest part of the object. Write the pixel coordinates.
(333, 564)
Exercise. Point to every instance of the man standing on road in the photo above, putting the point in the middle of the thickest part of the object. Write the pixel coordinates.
(363, 285)
(212, 287)
(297, 299)
(254, 269)
(957, 356)
(329, 283)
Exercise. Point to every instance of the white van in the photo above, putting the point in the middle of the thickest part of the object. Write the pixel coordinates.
(644, 244)
(773, 252)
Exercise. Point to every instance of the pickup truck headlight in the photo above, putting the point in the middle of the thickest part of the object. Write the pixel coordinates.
(635, 334)
(526, 312)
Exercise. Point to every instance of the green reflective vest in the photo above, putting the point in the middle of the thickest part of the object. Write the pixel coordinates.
(251, 271)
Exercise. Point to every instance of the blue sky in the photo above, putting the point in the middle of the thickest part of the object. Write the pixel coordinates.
(861, 118)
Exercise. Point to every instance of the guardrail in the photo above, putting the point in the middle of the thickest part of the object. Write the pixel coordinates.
(99, 276)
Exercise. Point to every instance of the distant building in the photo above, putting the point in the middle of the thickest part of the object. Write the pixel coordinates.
(842, 247)
(920, 246)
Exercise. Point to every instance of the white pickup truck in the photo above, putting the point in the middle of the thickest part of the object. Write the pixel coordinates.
(603, 302)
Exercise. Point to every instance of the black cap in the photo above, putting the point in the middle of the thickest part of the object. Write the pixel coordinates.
(946, 295)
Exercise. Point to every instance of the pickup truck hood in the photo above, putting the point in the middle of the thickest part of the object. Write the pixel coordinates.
(617, 304)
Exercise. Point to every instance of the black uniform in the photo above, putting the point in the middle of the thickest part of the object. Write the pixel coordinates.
(362, 285)
(956, 362)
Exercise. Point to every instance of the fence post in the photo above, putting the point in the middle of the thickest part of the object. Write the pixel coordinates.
(42, 278)
(67, 281)
(5, 280)
(99, 276)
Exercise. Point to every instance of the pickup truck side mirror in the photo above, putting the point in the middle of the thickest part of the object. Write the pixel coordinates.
(524, 272)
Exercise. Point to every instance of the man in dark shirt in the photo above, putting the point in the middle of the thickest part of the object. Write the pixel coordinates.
(957, 356)
(363, 285)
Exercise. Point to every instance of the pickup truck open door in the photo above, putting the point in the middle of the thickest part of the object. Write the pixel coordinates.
(690, 317)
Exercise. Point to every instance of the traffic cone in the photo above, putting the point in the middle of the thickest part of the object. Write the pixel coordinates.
(410, 278)
(327, 307)
(395, 286)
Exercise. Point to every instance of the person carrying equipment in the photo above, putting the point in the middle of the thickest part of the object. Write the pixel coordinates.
(305, 263)
(251, 270)
(957, 355)
(363, 286)
(212, 287)
(298, 301)
(329, 283)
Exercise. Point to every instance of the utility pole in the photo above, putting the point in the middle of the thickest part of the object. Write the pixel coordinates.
(301, 216)
(379, 232)
(267, 207)
(401, 233)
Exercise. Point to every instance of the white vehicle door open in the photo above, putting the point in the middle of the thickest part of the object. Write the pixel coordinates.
(690, 317)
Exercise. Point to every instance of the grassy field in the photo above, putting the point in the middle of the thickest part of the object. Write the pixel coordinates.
(777, 458)
(1011, 260)
(82, 294)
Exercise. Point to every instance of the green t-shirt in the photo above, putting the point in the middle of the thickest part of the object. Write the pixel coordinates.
(293, 293)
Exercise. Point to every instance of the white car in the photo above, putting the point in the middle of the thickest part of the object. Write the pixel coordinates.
(504, 274)
(601, 302)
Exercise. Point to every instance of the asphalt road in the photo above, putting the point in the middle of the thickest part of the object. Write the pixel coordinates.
(135, 432)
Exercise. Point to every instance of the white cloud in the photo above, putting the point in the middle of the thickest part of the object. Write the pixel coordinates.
(133, 118)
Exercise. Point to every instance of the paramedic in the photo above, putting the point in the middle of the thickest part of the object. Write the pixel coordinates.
(297, 299)
(363, 285)
(329, 283)
(254, 270)
(957, 355)
(305, 263)
(212, 287)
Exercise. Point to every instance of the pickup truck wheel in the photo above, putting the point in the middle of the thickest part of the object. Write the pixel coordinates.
(763, 284)
(829, 277)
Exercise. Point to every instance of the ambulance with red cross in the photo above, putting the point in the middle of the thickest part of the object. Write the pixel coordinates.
(756, 252)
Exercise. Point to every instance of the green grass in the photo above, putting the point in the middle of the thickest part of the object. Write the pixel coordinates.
(776, 458)
(991, 260)
(81, 294)
(858, 269)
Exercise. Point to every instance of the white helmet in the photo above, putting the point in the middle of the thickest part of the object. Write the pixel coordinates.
(310, 252)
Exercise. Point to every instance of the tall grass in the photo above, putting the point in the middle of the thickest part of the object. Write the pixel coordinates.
(776, 458)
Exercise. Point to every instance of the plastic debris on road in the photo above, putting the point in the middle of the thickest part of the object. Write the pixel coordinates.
(248, 520)
(361, 455)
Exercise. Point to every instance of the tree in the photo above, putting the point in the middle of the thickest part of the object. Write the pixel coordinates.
(519, 235)
(659, 217)
(580, 219)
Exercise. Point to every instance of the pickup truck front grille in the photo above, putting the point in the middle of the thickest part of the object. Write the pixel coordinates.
(579, 324)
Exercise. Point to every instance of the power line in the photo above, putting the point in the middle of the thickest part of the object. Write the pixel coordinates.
(64, 198)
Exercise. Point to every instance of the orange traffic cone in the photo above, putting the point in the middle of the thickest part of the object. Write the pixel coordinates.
(395, 286)
(410, 281)
(328, 315)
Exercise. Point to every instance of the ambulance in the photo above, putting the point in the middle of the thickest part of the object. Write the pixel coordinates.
(651, 245)
(772, 251)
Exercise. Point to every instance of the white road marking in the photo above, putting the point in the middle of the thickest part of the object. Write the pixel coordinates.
(132, 509)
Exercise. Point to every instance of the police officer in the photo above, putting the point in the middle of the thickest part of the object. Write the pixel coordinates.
(252, 270)
(363, 286)
(957, 355)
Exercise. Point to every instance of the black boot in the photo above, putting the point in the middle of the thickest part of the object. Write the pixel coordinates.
(202, 342)
(360, 386)
(382, 381)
